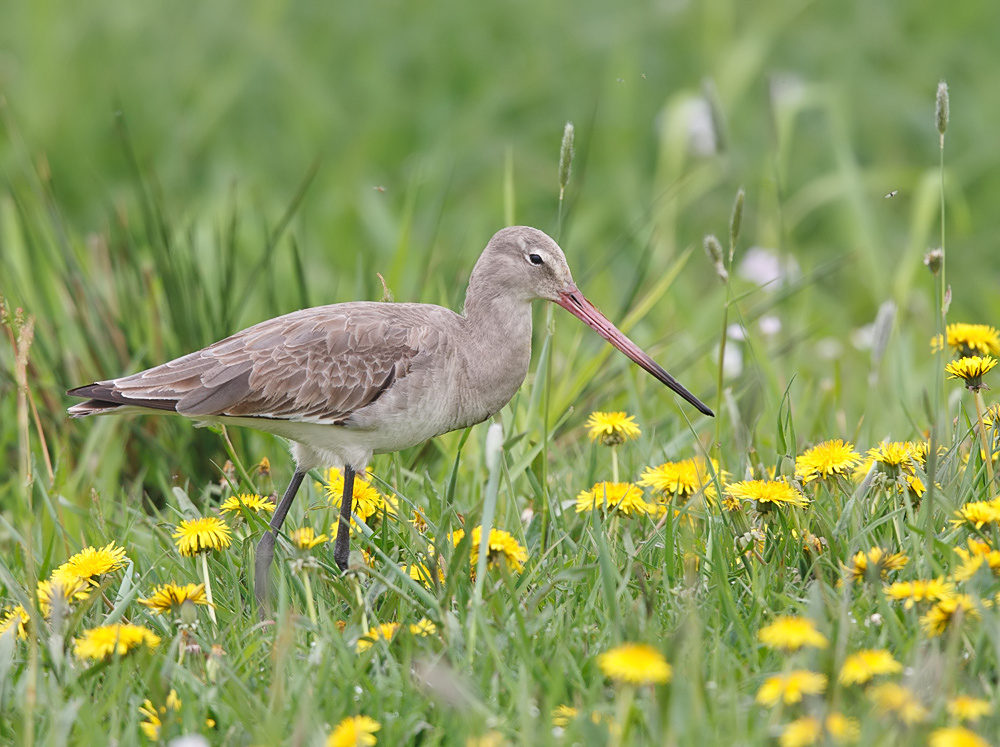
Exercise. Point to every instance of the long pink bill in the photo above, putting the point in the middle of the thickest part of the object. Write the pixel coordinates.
(575, 303)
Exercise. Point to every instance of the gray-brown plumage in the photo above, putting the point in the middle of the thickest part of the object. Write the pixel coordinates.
(346, 381)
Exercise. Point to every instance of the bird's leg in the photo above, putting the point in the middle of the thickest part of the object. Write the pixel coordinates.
(342, 546)
(265, 548)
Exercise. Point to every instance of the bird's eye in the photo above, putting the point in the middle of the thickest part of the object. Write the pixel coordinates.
(536, 259)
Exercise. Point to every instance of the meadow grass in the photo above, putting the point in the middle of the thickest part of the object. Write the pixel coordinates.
(170, 256)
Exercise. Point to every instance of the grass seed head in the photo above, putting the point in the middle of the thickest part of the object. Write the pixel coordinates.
(566, 157)
(941, 110)
(735, 221)
(714, 251)
(933, 260)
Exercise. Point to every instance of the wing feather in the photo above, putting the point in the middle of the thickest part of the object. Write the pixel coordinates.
(319, 364)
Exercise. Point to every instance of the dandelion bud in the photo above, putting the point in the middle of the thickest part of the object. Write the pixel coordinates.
(735, 219)
(188, 613)
(941, 109)
(714, 251)
(933, 260)
(565, 158)
(264, 467)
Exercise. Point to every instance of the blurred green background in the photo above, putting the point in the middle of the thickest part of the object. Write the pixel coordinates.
(428, 98)
(150, 154)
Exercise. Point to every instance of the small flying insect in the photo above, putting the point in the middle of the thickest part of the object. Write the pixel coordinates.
(892, 194)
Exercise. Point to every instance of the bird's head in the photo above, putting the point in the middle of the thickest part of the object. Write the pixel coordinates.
(525, 264)
(521, 264)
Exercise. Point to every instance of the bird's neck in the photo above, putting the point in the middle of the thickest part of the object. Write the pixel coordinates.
(496, 314)
(498, 344)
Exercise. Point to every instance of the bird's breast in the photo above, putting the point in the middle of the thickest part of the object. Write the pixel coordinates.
(455, 388)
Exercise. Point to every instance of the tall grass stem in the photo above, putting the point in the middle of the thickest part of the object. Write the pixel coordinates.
(985, 442)
(208, 587)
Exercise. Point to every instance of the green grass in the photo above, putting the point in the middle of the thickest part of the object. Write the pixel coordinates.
(171, 175)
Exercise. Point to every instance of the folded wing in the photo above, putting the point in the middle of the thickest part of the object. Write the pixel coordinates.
(316, 365)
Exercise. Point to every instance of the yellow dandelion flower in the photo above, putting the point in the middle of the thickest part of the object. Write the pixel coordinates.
(978, 513)
(502, 548)
(384, 632)
(914, 485)
(874, 565)
(789, 633)
(611, 428)
(842, 728)
(891, 698)
(955, 736)
(978, 555)
(60, 593)
(305, 538)
(635, 664)
(895, 457)
(368, 503)
(172, 597)
(15, 618)
(91, 562)
(967, 708)
(801, 732)
(732, 505)
(152, 723)
(862, 666)
(563, 714)
(264, 466)
(250, 501)
(419, 521)
(119, 638)
(622, 497)
(826, 460)
(423, 627)
(682, 479)
(421, 572)
(766, 494)
(946, 612)
(195, 536)
(790, 687)
(920, 590)
(154, 716)
(970, 567)
(991, 418)
(969, 339)
(971, 370)
(354, 731)
(976, 547)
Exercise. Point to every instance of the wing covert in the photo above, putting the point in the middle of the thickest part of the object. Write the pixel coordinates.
(317, 365)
